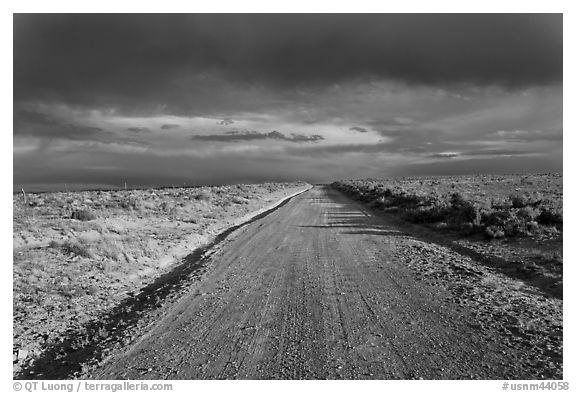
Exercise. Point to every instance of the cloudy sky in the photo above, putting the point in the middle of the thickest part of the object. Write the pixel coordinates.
(100, 100)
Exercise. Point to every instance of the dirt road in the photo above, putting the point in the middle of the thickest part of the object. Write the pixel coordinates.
(321, 289)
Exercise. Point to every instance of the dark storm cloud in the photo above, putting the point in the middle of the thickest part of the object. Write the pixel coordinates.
(102, 58)
(358, 129)
(138, 130)
(41, 125)
(399, 121)
(234, 136)
(48, 128)
(88, 88)
(169, 126)
(342, 149)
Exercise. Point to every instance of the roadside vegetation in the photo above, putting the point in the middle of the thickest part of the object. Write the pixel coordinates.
(492, 206)
(512, 223)
(78, 254)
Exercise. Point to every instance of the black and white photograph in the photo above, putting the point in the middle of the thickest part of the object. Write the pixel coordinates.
(287, 196)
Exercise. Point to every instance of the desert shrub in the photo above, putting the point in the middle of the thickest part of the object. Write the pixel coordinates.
(110, 249)
(499, 204)
(550, 217)
(144, 205)
(463, 212)
(404, 200)
(131, 202)
(532, 226)
(495, 218)
(167, 207)
(427, 214)
(528, 213)
(83, 215)
(467, 213)
(536, 199)
(519, 201)
(379, 203)
(513, 216)
(111, 203)
(203, 195)
(457, 200)
(238, 200)
(77, 248)
(494, 232)
(526, 180)
(224, 203)
(515, 226)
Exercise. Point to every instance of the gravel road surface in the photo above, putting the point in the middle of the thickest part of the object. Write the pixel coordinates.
(322, 289)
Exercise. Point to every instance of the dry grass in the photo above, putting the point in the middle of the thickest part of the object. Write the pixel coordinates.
(79, 254)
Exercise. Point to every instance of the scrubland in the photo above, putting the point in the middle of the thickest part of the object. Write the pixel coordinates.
(78, 254)
(514, 222)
